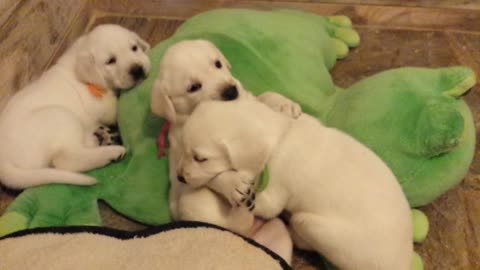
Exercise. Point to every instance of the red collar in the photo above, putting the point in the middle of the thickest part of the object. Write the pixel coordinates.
(96, 90)
(162, 145)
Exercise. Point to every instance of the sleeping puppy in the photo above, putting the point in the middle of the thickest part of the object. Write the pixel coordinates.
(47, 128)
(344, 201)
(192, 72)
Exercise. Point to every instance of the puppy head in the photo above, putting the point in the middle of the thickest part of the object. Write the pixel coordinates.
(190, 72)
(223, 136)
(111, 57)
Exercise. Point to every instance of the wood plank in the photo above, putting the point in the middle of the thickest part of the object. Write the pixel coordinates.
(379, 16)
(152, 30)
(30, 35)
(382, 49)
(77, 27)
(462, 4)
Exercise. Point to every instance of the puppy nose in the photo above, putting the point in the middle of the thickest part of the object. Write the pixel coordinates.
(137, 72)
(181, 179)
(230, 93)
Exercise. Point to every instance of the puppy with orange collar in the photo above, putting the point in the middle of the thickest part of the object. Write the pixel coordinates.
(47, 129)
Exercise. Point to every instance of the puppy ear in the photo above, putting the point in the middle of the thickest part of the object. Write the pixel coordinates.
(160, 102)
(220, 54)
(224, 59)
(247, 153)
(86, 70)
(142, 43)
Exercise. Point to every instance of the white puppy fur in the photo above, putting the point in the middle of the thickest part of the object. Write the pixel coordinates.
(191, 72)
(344, 201)
(46, 129)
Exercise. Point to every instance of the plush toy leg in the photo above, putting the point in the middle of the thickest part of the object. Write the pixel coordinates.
(140, 191)
(11, 222)
(51, 205)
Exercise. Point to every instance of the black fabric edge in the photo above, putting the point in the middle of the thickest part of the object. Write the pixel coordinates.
(126, 235)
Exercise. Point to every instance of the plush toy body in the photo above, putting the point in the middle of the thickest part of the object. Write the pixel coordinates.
(404, 115)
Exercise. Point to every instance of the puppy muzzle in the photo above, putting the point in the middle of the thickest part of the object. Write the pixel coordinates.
(137, 72)
(230, 93)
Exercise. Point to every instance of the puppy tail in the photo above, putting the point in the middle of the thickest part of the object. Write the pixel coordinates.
(17, 178)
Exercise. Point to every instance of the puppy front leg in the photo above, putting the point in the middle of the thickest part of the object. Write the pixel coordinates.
(238, 187)
(271, 202)
(281, 104)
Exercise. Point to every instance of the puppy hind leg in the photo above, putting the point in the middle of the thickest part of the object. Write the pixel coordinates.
(270, 203)
(330, 238)
(79, 158)
(299, 241)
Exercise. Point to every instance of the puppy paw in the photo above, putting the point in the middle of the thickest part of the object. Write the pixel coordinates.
(116, 152)
(236, 187)
(243, 194)
(108, 135)
(291, 109)
(281, 104)
(244, 198)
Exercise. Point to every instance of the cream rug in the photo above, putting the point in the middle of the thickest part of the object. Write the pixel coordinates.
(185, 245)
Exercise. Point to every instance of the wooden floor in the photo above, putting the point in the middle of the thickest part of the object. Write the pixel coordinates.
(391, 36)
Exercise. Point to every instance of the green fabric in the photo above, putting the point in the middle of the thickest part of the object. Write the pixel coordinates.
(411, 117)
(263, 180)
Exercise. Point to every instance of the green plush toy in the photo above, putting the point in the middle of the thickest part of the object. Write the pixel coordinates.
(412, 118)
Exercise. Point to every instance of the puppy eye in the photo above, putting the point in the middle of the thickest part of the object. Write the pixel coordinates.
(195, 87)
(218, 64)
(134, 48)
(199, 159)
(111, 60)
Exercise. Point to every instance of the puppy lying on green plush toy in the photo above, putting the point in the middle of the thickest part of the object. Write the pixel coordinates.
(191, 72)
(343, 201)
(411, 117)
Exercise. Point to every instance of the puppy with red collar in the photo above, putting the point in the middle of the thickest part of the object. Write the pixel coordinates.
(192, 72)
(47, 129)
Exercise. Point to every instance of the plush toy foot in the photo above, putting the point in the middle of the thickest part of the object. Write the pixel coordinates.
(417, 263)
(340, 30)
(420, 226)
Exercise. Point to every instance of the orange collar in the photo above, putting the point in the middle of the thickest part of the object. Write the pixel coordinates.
(96, 90)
